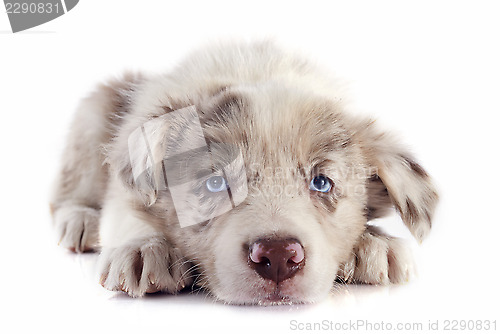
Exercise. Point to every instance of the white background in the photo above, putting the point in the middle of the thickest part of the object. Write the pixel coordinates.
(427, 69)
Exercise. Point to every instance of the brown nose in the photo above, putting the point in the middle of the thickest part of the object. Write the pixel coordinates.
(276, 260)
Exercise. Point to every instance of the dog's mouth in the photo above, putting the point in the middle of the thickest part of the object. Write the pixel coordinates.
(275, 301)
(277, 297)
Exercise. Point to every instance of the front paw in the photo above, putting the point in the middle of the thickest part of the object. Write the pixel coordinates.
(378, 259)
(144, 266)
(77, 227)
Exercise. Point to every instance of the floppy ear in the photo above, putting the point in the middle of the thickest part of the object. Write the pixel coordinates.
(116, 98)
(399, 181)
(127, 152)
(149, 144)
(145, 143)
(141, 168)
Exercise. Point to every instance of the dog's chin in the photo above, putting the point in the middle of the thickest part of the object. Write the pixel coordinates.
(267, 295)
(278, 298)
(272, 299)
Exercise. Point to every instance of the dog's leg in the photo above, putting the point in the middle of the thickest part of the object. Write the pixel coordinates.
(81, 184)
(144, 265)
(136, 256)
(377, 259)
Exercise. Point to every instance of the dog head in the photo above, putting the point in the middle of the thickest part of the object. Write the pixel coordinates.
(272, 184)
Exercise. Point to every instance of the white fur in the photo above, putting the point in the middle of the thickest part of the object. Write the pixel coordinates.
(282, 113)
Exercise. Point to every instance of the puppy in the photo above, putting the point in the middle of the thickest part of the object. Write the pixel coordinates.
(237, 173)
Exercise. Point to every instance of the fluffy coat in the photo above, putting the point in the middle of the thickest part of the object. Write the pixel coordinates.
(282, 115)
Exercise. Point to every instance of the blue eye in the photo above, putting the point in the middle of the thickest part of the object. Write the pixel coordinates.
(216, 183)
(320, 183)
